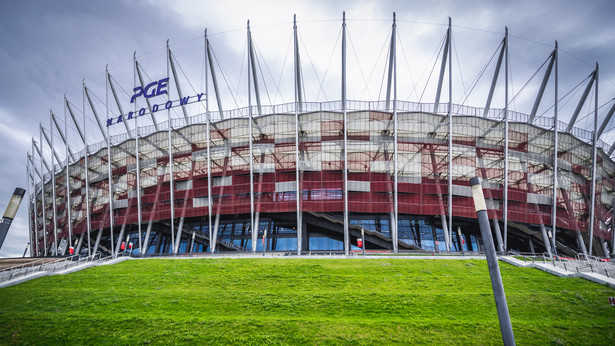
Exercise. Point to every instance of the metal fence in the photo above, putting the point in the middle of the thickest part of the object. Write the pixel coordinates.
(44, 265)
(578, 264)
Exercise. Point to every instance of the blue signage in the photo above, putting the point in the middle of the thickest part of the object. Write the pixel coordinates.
(155, 92)
(153, 89)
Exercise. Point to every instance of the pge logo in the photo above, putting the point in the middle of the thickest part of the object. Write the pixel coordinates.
(151, 90)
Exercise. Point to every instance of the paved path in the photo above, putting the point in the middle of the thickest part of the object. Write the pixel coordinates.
(561, 272)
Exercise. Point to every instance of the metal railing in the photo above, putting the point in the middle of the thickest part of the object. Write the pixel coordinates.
(595, 264)
(580, 263)
(23, 269)
(44, 265)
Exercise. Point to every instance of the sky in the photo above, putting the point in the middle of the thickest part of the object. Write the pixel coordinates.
(48, 49)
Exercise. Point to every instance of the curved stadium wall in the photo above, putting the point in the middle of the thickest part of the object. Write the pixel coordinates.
(358, 167)
(422, 181)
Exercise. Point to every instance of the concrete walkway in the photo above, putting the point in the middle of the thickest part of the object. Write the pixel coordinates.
(549, 268)
(546, 267)
(73, 269)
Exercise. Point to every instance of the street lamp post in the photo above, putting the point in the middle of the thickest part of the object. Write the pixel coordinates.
(492, 261)
(9, 214)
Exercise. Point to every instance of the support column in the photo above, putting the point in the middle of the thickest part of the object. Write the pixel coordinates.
(255, 209)
(253, 227)
(450, 141)
(306, 236)
(498, 234)
(494, 81)
(170, 130)
(445, 226)
(531, 245)
(496, 223)
(543, 85)
(109, 170)
(227, 159)
(149, 106)
(393, 62)
(212, 235)
(605, 250)
(176, 79)
(612, 231)
(79, 244)
(138, 164)
(100, 231)
(445, 230)
(94, 112)
(68, 203)
(593, 77)
(545, 239)
(40, 153)
(148, 232)
(31, 215)
(83, 135)
(119, 239)
(299, 191)
(178, 240)
(52, 177)
(156, 204)
(191, 243)
(214, 80)
(505, 216)
(33, 181)
(459, 242)
(252, 64)
(592, 205)
(87, 182)
(443, 67)
(581, 243)
(212, 244)
(392, 69)
(346, 231)
(105, 135)
(555, 154)
(117, 102)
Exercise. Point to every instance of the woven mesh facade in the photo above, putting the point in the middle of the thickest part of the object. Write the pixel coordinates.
(422, 188)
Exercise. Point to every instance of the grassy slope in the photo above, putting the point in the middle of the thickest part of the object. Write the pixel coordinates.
(302, 301)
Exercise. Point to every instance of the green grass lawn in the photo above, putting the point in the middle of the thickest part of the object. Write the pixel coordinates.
(302, 301)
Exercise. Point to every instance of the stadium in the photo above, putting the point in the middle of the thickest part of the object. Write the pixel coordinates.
(178, 177)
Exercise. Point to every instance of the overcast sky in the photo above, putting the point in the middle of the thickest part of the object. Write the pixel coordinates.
(48, 48)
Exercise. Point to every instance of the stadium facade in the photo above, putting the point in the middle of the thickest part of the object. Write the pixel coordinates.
(315, 176)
